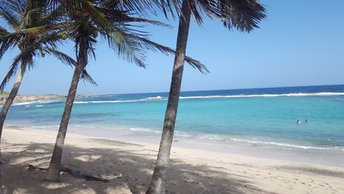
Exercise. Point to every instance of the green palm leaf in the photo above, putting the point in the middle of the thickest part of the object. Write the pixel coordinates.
(9, 18)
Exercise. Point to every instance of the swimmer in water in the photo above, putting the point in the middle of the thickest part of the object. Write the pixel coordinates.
(298, 122)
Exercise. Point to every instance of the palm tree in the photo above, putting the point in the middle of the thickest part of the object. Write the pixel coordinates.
(241, 14)
(30, 29)
(36, 33)
(112, 21)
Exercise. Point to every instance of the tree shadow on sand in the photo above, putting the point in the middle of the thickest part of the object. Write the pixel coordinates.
(127, 172)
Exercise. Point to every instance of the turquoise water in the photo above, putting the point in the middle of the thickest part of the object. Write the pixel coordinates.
(266, 116)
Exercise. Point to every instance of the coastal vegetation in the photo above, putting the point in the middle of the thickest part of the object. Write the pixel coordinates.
(43, 24)
(4, 93)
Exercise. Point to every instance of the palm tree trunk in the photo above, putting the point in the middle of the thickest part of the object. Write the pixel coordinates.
(9, 102)
(56, 159)
(158, 181)
(11, 97)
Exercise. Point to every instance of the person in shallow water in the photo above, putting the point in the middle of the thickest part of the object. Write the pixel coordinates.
(298, 122)
(306, 121)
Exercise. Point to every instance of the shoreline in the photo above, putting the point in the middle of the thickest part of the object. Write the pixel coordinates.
(38, 98)
(128, 165)
(325, 157)
(32, 98)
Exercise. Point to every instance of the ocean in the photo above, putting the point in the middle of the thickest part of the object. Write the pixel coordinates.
(265, 116)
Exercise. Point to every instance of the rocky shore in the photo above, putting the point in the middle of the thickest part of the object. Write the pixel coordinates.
(31, 98)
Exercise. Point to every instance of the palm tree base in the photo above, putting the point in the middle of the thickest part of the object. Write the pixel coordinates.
(53, 173)
(53, 177)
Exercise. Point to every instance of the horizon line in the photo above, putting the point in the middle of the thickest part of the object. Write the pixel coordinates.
(201, 90)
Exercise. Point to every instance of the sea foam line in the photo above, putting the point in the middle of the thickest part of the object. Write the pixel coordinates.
(34, 102)
(158, 98)
(266, 95)
(216, 137)
(289, 145)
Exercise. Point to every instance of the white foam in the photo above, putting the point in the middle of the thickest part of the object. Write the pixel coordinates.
(288, 145)
(159, 98)
(24, 103)
(155, 98)
(266, 95)
(182, 134)
(139, 129)
(34, 102)
(103, 101)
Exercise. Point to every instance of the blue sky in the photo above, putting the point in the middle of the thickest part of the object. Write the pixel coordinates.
(299, 43)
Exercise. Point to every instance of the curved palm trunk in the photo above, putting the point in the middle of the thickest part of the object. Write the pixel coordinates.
(158, 181)
(11, 97)
(56, 159)
(9, 101)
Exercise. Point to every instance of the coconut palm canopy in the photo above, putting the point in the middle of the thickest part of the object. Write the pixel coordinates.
(118, 22)
(241, 14)
(131, 44)
(32, 29)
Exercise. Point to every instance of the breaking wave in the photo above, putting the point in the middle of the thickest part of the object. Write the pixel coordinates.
(159, 98)
(27, 104)
(218, 138)
(156, 98)
(266, 95)
(305, 147)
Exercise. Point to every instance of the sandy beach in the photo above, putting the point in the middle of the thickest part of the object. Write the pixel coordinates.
(242, 97)
(126, 167)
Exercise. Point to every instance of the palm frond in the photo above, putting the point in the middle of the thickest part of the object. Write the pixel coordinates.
(85, 6)
(55, 15)
(120, 17)
(64, 58)
(7, 78)
(28, 53)
(126, 48)
(37, 30)
(150, 45)
(16, 6)
(138, 7)
(11, 72)
(10, 19)
(8, 40)
(242, 14)
(86, 77)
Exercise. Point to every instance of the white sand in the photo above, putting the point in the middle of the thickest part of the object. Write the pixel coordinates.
(129, 166)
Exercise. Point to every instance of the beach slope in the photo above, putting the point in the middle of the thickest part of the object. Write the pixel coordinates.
(111, 166)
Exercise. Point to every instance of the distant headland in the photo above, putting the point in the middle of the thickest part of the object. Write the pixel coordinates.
(31, 98)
